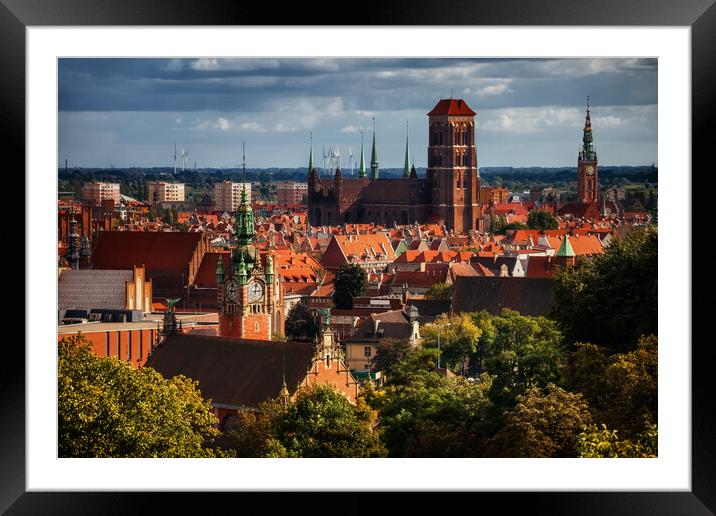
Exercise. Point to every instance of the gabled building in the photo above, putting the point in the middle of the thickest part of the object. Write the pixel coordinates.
(239, 374)
(372, 252)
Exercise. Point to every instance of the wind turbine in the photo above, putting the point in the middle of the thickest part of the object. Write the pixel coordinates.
(350, 160)
(184, 157)
(174, 155)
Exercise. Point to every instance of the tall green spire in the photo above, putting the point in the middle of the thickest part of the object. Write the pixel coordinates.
(244, 227)
(361, 169)
(588, 153)
(220, 271)
(566, 248)
(374, 157)
(406, 167)
(310, 156)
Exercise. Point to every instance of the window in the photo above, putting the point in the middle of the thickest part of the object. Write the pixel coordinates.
(367, 351)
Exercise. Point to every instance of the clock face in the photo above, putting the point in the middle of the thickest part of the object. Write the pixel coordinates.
(256, 291)
(231, 290)
(590, 169)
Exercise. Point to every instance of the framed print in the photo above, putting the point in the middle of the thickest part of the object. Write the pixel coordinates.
(101, 44)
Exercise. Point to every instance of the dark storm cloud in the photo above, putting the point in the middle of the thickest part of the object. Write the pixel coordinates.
(366, 84)
(529, 111)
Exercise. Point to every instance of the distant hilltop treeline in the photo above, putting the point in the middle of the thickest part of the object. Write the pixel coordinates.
(490, 175)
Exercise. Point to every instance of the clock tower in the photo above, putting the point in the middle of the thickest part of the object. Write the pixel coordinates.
(587, 176)
(249, 293)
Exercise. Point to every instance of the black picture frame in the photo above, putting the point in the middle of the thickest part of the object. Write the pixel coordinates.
(700, 15)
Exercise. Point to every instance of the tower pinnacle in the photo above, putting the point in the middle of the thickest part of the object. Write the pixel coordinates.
(361, 168)
(310, 156)
(374, 157)
(406, 166)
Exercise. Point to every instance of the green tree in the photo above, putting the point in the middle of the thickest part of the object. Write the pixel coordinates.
(622, 389)
(440, 291)
(545, 422)
(391, 352)
(167, 219)
(459, 336)
(106, 408)
(520, 352)
(428, 414)
(596, 442)
(351, 281)
(502, 228)
(321, 422)
(301, 323)
(611, 301)
(541, 220)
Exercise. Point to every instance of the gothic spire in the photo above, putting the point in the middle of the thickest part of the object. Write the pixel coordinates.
(406, 167)
(587, 152)
(374, 157)
(361, 168)
(310, 156)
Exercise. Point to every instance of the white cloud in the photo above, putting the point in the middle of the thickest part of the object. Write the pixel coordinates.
(220, 124)
(352, 129)
(253, 126)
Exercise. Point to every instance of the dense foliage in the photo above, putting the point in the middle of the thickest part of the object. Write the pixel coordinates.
(320, 422)
(440, 291)
(106, 408)
(351, 281)
(541, 220)
(611, 301)
(301, 323)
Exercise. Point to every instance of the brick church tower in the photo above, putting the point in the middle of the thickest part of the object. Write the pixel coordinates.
(452, 165)
(248, 292)
(587, 176)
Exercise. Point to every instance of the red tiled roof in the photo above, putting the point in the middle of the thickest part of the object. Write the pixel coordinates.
(158, 251)
(452, 107)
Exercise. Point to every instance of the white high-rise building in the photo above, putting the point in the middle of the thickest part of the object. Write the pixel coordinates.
(95, 192)
(227, 195)
(163, 191)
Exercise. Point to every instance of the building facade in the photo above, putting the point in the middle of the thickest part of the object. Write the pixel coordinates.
(249, 293)
(95, 192)
(163, 191)
(450, 193)
(227, 195)
(291, 192)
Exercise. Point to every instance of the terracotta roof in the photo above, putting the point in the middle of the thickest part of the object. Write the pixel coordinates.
(158, 251)
(206, 275)
(394, 325)
(452, 107)
(582, 245)
(236, 372)
(423, 279)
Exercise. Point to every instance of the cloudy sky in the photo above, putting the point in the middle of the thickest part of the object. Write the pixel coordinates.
(130, 112)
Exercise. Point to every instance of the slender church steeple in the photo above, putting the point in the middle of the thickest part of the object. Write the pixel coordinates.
(244, 226)
(406, 166)
(310, 156)
(374, 158)
(361, 169)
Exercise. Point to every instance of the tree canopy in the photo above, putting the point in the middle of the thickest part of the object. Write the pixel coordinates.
(541, 220)
(300, 323)
(106, 408)
(440, 291)
(612, 300)
(320, 422)
(351, 281)
(545, 422)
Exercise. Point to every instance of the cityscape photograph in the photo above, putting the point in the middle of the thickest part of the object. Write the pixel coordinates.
(357, 257)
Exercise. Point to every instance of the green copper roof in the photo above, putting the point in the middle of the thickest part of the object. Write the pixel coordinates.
(374, 152)
(310, 159)
(406, 167)
(269, 265)
(566, 248)
(374, 158)
(361, 168)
